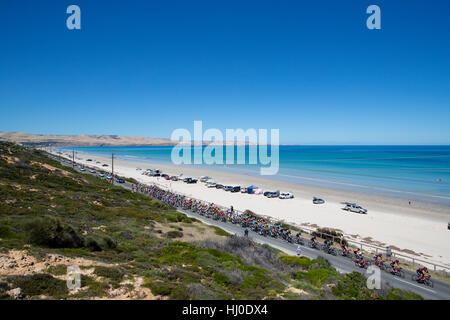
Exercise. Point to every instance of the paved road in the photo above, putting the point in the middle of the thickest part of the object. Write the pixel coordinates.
(440, 291)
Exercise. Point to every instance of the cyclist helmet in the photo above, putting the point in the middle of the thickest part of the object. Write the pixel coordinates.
(425, 269)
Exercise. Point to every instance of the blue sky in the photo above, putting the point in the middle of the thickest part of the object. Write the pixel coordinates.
(311, 69)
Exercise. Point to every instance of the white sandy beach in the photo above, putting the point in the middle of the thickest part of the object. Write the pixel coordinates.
(415, 229)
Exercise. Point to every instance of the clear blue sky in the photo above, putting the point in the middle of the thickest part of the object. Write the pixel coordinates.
(310, 68)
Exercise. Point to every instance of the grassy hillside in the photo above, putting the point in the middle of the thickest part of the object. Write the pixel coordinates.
(129, 246)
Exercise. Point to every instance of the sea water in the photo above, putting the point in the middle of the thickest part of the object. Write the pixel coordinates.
(409, 172)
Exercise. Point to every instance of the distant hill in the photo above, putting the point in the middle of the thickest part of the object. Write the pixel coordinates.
(85, 140)
(82, 140)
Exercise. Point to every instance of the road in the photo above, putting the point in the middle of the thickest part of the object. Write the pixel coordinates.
(440, 290)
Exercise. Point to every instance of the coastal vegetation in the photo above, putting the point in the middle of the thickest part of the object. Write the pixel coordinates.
(128, 246)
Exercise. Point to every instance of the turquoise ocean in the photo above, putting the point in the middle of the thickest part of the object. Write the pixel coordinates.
(408, 172)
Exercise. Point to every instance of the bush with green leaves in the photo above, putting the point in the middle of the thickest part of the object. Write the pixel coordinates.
(53, 233)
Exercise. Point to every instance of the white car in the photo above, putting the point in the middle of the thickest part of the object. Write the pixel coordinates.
(211, 184)
(286, 195)
(353, 207)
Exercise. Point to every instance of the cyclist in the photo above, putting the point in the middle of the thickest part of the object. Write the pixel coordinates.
(313, 241)
(421, 273)
(362, 262)
(246, 232)
(327, 245)
(357, 254)
(394, 265)
(378, 258)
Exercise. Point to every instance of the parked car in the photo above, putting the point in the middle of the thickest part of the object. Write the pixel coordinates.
(190, 180)
(219, 186)
(92, 171)
(174, 178)
(272, 194)
(353, 207)
(89, 160)
(286, 195)
(227, 188)
(211, 184)
(244, 190)
(120, 180)
(236, 189)
(318, 200)
(105, 165)
(204, 178)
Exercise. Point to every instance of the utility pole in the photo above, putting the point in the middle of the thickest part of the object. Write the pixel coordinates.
(112, 166)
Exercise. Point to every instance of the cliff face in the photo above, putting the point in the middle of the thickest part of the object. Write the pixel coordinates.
(82, 140)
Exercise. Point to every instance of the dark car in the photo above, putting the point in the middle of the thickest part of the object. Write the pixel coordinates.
(236, 189)
(318, 201)
(120, 180)
(105, 165)
(219, 186)
(190, 180)
(272, 194)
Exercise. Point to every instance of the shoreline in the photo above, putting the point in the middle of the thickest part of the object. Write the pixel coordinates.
(421, 228)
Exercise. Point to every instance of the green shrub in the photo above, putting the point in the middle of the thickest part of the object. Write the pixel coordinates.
(316, 277)
(221, 279)
(5, 232)
(93, 289)
(398, 294)
(296, 261)
(40, 284)
(100, 243)
(114, 274)
(352, 286)
(321, 263)
(160, 289)
(52, 233)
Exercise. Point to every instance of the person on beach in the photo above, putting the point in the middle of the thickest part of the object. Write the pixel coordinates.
(388, 252)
